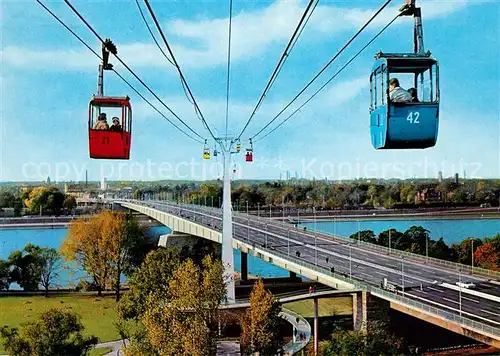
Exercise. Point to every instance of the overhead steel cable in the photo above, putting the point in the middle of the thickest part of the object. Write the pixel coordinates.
(329, 81)
(151, 33)
(228, 61)
(324, 67)
(159, 47)
(291, 43)
(153, 16)
(131, 71)
(118, 74)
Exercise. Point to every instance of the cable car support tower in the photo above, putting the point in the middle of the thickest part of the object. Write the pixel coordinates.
(226, 144)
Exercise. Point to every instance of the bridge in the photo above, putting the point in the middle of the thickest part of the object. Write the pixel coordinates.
(422, 287)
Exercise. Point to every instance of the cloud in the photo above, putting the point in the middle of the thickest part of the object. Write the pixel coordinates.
(203, 43)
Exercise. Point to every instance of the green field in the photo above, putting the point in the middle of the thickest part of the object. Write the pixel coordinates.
(326, 307)
(97, 313)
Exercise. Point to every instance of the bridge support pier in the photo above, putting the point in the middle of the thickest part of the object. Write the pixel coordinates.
(244, 266)
(359, 311)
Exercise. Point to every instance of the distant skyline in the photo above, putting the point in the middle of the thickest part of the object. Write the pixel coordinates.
(48, 77)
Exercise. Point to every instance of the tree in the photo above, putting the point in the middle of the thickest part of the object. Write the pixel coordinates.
(463, 250)
(55, 333)
(261, 323)
(69, 204)
(4, 275)
(152, 277)
(26, 267)
(7, 200)
(365, 235)
(44, 199)
(383, 238)
(439, 249)
(376, 341)
(104, 245)
(50, 265)
(487, 256)
(185, 320)
(413, 240)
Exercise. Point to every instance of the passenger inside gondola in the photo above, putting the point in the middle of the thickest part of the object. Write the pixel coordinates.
(414, 96)
(101, 123)
(116, 127)
(398, 94)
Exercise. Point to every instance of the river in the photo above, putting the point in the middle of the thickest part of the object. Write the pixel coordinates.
(452, 231)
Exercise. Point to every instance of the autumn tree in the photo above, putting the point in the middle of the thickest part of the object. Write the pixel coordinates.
(261, 323)
(185, 319)
(55, 333)
(487, 256)
(44, 199)
(105, 246)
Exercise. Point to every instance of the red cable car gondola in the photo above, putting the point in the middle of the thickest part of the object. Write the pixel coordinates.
(249, 154)
(114, 141)
(109, 140)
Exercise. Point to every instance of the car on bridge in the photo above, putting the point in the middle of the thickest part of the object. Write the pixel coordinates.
(466, 284)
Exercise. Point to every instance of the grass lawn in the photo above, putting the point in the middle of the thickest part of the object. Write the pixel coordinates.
(97, 313)
(326, 307)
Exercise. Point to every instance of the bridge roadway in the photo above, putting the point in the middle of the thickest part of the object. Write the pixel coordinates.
(422, 282)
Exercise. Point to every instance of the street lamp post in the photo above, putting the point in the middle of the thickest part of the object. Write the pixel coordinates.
(472, 254)
(389, 241)
(426, 248)
(248, 224)
(288, 240)
(459, 291)
(266, 234)
(359, 232)
(315, 242)
(403, 275)
(258, 211)
(283, 208)
(350, 259)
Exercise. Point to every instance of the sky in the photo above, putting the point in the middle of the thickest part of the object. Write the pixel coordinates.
(48, 78)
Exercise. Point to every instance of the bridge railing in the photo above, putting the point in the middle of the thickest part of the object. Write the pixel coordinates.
(391, 296)
(383, 293)
(385, 249)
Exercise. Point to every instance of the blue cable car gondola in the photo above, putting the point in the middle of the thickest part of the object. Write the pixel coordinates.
(405, 124)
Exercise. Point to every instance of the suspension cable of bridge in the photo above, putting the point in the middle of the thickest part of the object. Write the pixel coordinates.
(130, 70)
(286, 53)
(228, 61)
(386, 3)
(329, 80)
(183, 79)
(118, 74)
